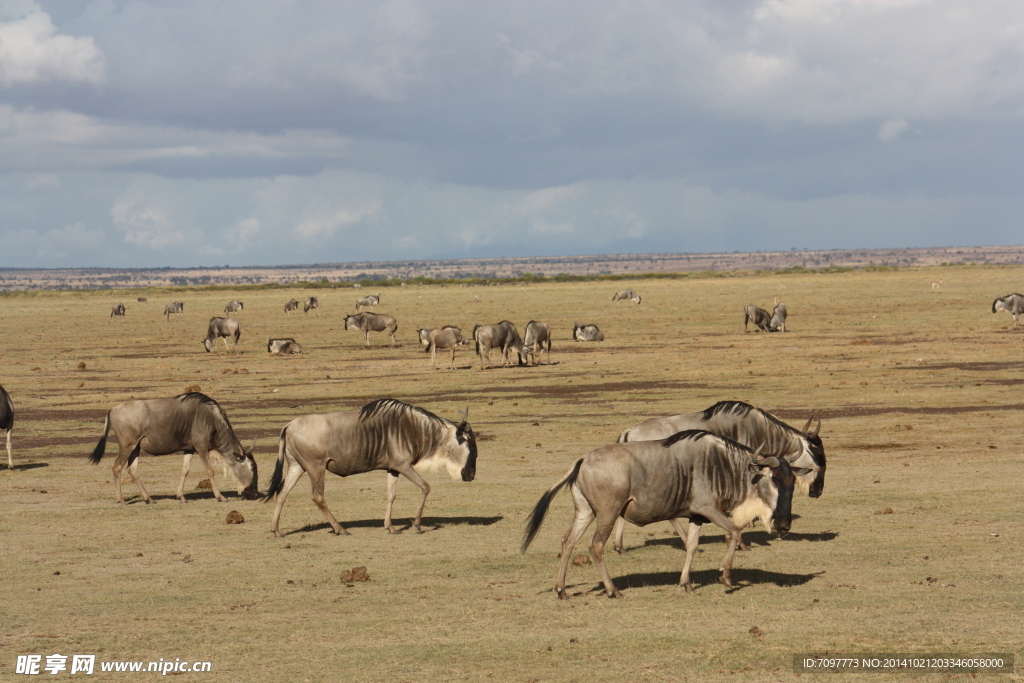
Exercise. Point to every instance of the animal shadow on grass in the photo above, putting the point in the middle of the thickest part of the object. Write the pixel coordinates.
(25, 466)
(433, 522)
(741, 578)
(749, 537)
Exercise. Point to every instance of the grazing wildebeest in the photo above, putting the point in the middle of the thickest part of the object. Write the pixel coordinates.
(445, 338)
(368, 301)
(586, 333)
(383, 435)
(7, 422)
(222, 328)
(311, 304)
(191, 422)
(117, 310)
(627, 295)
(692, 474)
(504, 336)
(424, 335)
(142, 298)
(233, 306)
(749, 426)
(284, 346)
(1013, 304)
(538, 338)
(174, 307)
(778, 323)
(758, 316)
(372, 322)
(291, 306)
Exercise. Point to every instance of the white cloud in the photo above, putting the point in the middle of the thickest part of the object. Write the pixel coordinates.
(892, 129)
(31, 51)
(325, 224)
(146, 226)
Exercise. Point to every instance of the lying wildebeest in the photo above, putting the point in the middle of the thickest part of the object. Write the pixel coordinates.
(7, 422)
(445, 338)
(372, 322)
(233, 306)
(758, 316)
(778, 323)
(142, 298)
(291, 306)
(283, 346)
(117, 310)
(1013, 304)
(504, 336)
(368, 301)
(222, 328)
(538, 338)
(174, 307)
(383, 435)
(311, 304)
(586, 333)
(749, 426)
(692, 474)
(627, 295)
(191, 422)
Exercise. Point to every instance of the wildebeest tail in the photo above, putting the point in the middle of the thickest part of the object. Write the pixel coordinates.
(541, 509)
(277, 480)
(97, 454)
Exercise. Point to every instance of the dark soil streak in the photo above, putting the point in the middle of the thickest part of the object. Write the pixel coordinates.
(865, 411)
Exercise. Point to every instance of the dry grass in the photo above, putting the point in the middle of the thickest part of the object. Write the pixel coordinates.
(920, 391)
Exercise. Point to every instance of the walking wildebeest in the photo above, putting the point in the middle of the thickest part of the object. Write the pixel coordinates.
(538, 335)
(1013, 304)
(368, 301)
(284, 346)
(117, 310)
(503, 335)
(191, 422)
(372, 322)
(222, 328)
(233, 306)
(692, 474)
(174, 307)
(312, 304)
(385, 434)
(291, 306)
(424, 334)
(627, 295)
(758, 316)
(749, 426)
(586, 333)
(778, 323)
(445, 338)
(7, 422)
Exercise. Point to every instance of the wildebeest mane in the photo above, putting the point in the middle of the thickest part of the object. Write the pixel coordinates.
(397, 408)
(206, 400)
(743, 409)
(698, 434)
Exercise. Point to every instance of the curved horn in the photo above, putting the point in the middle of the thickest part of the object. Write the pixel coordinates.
(768, 461)
(252, 447)
(818, 428)
(462, 423)
(808, 425)
(757, 453)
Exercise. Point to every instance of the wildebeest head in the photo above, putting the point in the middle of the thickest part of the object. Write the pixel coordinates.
(351, 321)
(244, 466)
(775, 480)
(816, 450)
(465, 436)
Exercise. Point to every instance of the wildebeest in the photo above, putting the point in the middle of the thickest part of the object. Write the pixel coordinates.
(445, 338)
(758, 316)
(233, 306)
(117, 310)
(586, 333)
(192, 422)
(368, 301)
(503, 335)
(778, 323)
(750, 426)
(174, 307)
(222, 328)
(692, 474)
(284, 346)
(385, 434)
(142, 298)
(372, 322)
(291, 306)
(7, 422)
(627, 295)
(311, 305)
(1013, 304)
(538, 337)
(424, 335)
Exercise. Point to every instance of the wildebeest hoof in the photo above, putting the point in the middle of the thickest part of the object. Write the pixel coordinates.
(724, 580)
(392, 530)
(562, 595)
(620, 550)
(615, 594)
(688, 587)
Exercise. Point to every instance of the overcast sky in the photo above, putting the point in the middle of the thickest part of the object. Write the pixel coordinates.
(208, 133)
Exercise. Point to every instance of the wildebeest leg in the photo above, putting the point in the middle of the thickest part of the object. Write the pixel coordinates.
(605, 523)
(10, 458)
(290, 479)
(131, 459)
(186, 464)
(414, 476)
(392, 332)
(205, 457)
(690, 538)
(227, 348)
(367, 335)
(452, 367)
(318, 498)
(721, 519)
(433, 356)
(620, 530)
(392, 492)
(584, 516)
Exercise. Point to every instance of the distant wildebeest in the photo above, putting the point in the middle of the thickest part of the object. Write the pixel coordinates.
(291, 306)
(356, 285)
(191, 422)
(758, 316)
(175, 307)
(383, 435)
(117, 310)
(311, 305)
(367, 301)
(372, 322)
(504, 336)
(627, 295)
(693, 474)
(1013, 304)
(7, 422)
(445, 338)
(538, 338)
(424, 335)
(142, 298)
(778, 323)
(586, 333)
(749, 426)
(222, 328)
(284, 346)
(233, 306)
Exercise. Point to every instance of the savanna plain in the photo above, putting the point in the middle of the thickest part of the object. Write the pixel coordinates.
(915, 546)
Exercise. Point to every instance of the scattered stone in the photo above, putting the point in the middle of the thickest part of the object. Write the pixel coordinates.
(204, 484)
(81, 365)
(756, 632)
(193, 387)
(235, 517)
(884, 511)
(581, 560)
(56, 573)
(187, 558)
(138, 554)
(354, 574)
